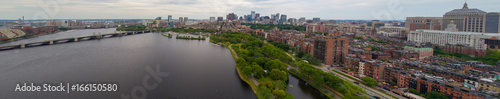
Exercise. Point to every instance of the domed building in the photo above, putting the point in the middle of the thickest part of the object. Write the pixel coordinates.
(467, 19)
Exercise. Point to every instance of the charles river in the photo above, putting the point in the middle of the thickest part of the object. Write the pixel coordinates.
(144, 65)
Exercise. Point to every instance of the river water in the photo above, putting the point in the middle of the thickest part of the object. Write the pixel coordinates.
(145, 65)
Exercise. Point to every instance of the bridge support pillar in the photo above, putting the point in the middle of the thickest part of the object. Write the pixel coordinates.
(142, 31)
(75, 39)
(22, 45)
(51, 42)
(133, 33)
(99, 36)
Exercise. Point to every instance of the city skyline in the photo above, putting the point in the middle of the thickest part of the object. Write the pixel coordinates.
(331, 9)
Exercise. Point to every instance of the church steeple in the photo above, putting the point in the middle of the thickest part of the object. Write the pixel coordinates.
(465, 5)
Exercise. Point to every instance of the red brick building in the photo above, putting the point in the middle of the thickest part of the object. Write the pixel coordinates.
(375, 69)
(463, 49)
(331, 50)
(402, 54)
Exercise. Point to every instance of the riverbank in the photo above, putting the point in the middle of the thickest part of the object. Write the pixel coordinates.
(266, 85)
(190, 37)
(168, 35)
(242, 77)
(324, 92)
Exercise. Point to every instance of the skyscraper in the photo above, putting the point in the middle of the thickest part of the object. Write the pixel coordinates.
(220, 18)
(185, 20)
(276, 17)
(282, 19)
(231, 16)
(212, 19)
(181, 22)
(491, 23)
(245, 18)
(316, 20)
(252, 16)
(302, 19)
(257, 15)
(169, 18)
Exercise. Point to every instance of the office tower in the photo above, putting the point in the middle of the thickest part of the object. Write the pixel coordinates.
(467, 19)
(220, 18)
(257, 16)
(316, 20)
(302, 19)
(252, 16)
(272, 16)
(212, 19)
(282, 19)
(331, 50)
(245, 18)
(231, 16)
(428, 23)
(181, 22)
(276, 17)
(249, 18)
(185, 19)
(491, 23)
(158, 18)
(169, 18)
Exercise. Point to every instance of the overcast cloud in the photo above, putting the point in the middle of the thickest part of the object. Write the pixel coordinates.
(203, 9)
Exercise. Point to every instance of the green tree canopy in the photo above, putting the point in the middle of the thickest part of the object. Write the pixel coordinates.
(276, 74)
(280, 94)
(369, 81)
(435, 95)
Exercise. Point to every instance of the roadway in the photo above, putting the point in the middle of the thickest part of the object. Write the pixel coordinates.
(369, 90)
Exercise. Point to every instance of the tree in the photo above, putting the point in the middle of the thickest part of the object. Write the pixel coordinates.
(276, 74)
(270, 85)
(414, 91)
(247, 71)
(258, 71)
(275, 64)
(264, 92)
(369, 81)
(435, 95)
(289, 96)
(280, 94)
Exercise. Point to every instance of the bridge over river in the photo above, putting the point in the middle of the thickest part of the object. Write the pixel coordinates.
(71, 39)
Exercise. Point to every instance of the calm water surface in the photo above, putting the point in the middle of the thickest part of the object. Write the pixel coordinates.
(196, 69)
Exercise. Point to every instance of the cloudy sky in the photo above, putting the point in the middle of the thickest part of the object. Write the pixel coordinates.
(203, 9)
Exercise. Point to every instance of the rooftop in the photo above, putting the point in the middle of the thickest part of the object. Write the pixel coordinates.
(465, 9)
